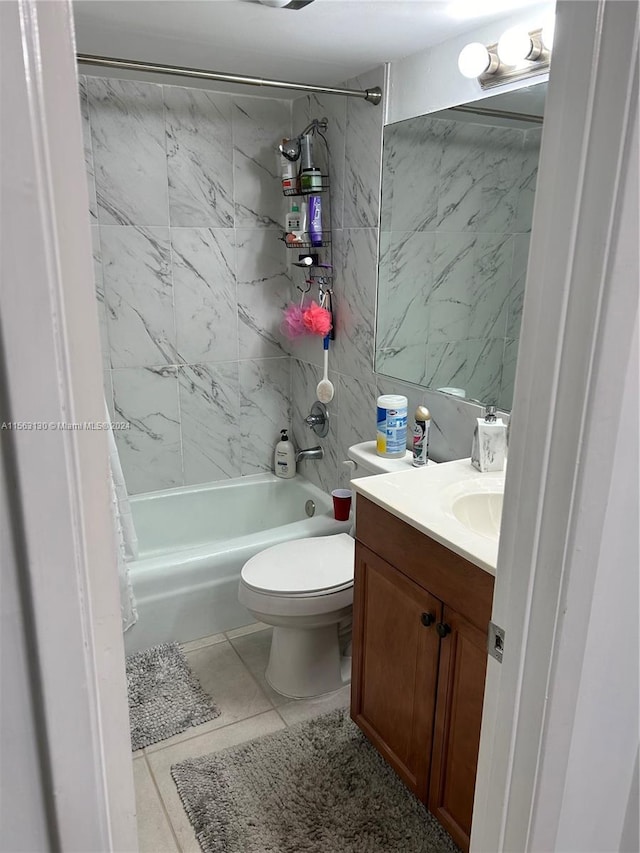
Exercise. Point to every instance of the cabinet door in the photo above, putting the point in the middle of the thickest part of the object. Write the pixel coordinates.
(395, 659)
(456, 739)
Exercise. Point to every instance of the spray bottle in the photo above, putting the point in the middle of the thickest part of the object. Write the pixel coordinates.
(422, 420)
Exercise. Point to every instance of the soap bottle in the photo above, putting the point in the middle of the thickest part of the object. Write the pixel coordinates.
(292, 222)
(284, 458)
(421, 421)
(489, 445)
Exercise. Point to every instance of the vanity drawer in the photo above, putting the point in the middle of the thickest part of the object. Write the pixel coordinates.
(446, 575)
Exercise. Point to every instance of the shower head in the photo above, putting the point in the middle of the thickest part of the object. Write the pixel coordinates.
(292, 148)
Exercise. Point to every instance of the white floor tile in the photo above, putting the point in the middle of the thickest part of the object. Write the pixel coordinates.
(225, 678)
(203, 641)
(160, 762)
(254, 650)
(154, 832)
(246, 629)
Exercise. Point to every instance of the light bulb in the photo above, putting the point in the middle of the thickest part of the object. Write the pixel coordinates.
(514, 46)
(474, 59)
(548, 32)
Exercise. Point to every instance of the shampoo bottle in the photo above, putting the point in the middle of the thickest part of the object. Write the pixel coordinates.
(284, 458)
(489, 446)
(315, 220)
(293, 226)
(293, 220)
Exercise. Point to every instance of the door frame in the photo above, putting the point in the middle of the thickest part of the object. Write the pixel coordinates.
(58, 479)
(61, 481)
(576, 346)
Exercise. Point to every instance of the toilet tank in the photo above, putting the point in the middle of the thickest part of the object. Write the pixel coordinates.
(366, 461)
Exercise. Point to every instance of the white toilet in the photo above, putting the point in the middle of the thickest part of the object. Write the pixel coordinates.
(304, 588)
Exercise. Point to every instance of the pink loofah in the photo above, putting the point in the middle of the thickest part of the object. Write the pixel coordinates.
(293, 325)
(317, 320)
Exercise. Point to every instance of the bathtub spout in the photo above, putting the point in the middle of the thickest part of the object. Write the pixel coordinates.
(310, 453)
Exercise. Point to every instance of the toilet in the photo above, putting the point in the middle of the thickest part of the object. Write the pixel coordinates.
(304, 589)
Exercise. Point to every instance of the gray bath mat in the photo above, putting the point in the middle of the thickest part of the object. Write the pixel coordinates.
(165, 697)
(318, 787)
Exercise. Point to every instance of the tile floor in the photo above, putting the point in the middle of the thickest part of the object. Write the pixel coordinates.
(231, 668)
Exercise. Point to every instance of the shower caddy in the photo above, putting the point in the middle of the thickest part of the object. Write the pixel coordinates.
(316, 259)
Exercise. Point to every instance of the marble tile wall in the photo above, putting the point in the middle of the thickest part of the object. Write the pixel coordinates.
(457, 210)
(190, 276)
(355, 140)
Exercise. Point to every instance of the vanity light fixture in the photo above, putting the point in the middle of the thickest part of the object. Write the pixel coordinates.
(517, 55)
(475, 60)
(516, 45)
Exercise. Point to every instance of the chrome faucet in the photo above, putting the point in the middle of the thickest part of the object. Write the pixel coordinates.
(310, 453)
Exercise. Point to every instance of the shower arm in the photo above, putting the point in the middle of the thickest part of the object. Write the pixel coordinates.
(317, 124)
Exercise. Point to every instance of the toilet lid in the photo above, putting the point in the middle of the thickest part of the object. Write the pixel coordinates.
(316, 565)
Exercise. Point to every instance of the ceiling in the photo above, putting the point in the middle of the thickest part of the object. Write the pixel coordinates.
(326, 43)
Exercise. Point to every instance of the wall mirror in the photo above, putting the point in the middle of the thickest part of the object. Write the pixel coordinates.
(457, 202)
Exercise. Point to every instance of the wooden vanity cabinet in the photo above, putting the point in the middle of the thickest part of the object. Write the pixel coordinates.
(420, 621)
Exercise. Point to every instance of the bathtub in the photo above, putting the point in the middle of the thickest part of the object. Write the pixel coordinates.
(193, 542)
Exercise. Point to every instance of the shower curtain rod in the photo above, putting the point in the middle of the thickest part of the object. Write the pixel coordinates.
(374, 95)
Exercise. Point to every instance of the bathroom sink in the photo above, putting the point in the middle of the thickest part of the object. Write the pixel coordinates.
(475, 502)
(480, 512)
(452, 503)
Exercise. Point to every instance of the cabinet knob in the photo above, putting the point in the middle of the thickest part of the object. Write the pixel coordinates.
(427, 619)
(443, 629)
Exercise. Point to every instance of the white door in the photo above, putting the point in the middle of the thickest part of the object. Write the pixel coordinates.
(559, 741)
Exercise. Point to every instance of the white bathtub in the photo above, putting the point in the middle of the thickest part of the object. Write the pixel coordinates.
(194, 541)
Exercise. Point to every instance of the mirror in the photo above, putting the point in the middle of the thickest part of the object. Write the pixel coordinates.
(457, 202)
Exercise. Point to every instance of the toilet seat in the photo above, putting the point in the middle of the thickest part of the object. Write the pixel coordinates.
(302, 568)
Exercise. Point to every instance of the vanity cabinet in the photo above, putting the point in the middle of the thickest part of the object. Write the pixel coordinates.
(420, 620)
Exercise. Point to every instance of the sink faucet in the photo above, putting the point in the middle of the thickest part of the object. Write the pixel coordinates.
(310, 453)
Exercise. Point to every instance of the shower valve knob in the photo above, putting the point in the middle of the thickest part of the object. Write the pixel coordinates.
(318, 419)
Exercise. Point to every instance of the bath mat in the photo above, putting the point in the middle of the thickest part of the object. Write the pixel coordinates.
(165, 697)
(317, 787)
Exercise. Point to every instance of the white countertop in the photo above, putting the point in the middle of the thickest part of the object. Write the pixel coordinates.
(422, 497)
